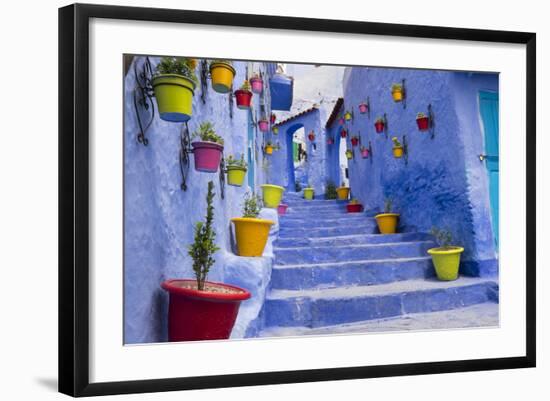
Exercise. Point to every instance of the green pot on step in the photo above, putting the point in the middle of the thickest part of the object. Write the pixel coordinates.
(446, 262)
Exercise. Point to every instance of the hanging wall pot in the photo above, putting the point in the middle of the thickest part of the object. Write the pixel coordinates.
(208, 150)
(379, 125)
(268, 148)
(343, 133)
(236, 170)
(397, 149)
(348, 116)
(222, 74)
(311, 136)
(257, 84)
(349, 154)
(363, 108)
(341, 121)
(423, 122)
(263, 125)
(397, 92)
(330, 141)
(273, 118)
(243, 96)
(275, 130)
(354, 140)
(364, 152)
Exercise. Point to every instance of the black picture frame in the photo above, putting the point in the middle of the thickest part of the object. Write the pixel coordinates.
(74, 194)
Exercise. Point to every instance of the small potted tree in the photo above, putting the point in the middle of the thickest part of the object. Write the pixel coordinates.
(174, 86)
(268, 148)
(257, 83)
(343, 193)
(379, 124)
(251, 233)
(208, 149)
(422, 121)
(397, 92)
(387, 221)
(263, 124)
(397, 148)
(199, 309)
(446, 258)
(309, 192)
(243, 96)
(354, 206)
(222, 74)
(330, 191)
(354, 140)
(236, 170)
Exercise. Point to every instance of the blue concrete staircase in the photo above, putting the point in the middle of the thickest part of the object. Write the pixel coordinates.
(333, 268)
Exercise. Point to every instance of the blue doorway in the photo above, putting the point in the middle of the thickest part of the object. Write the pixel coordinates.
(488, 107)
(251, 153)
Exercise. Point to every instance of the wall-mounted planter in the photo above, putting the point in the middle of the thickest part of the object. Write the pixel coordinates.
(251, 235)
(387, 222)
(308, 193)
(273, 118)
(257, 84)
(398, 151)
(365, 153)
(268, 149)
(272, 195)
(236, 175)
(341, 121)
(275, 130)
(222, 76)
(343, 133)
(311, 136)
(174, 94)
(446, 261)
(379, 125)
(281, 209)
(349, 154)
(202, 315)
(354, 140)
(330, 141)
(343, 193)
(354, 208)
(397, 92)
(423, 123)
(207, 156)
(263, 125)
(363, 108)
(348, 116)
(243, 98)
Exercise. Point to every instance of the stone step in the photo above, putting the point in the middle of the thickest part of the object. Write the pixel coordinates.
(293, 242)
(345, 220)
(314, 202)
(324, 254)
(479, 315)
(317, 208)
(292, 232)
(325, 307)
(350, 273)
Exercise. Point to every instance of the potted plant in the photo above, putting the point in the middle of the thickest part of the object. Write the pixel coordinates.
(397, 92)
(263, 124)
(251, 232)
(354, 140)
(199, 309)
(276, 147)
(273, 118)
(364, 152)
(311, 136)
(422, 121)
(343, 133)
(236, 170)
(330, 141)
(257, 83)
(379, 124)
(341, 121)
(272, 195)
(363, 107)
(174, 86)
(348, 116)
(330, 191)
(275, 130)
(281, 209)
(309, 192)
(243, 96)
(397, 148)
(268, 148)
(387, 221)
(349, 154)
(446, 258)
(354, 206)
(208, 149)
(222, 74)
(343, 193)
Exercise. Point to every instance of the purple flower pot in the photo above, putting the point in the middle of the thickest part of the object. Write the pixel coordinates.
(263, 125)
(281, 209)
(257, 85)
(207, 156)
(365, 153)
(363, 108)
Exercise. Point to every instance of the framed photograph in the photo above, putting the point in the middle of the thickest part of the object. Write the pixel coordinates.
(251, 199)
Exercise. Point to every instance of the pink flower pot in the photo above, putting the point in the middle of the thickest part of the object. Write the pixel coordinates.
(330, 141)
(281, 209)
(257, 85)
(263, 125)
(207, 156)
(363, 108)
(341, 121)
(364, 153)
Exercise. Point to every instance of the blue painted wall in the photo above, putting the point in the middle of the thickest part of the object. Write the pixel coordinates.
(444, 184)
(159, 217)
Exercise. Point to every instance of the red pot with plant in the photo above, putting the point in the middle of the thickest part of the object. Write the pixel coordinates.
(330, 141)
(208, 150)
(200, 309)
(311, 136)
(273, 118)
(363, 108)
(354, 206)
(243, 96)
(379, 125)
(354, 140)
(422, 121)
(343, 133)
(257, 84)
(263, 125)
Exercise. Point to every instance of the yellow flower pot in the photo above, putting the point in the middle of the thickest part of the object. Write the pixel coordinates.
(174, 94)
(349, 154)
(343, 193)
(397, 95)
(235, 175)
(269, 149)
(272, 195)
(397, 152)
(387, 222)
(222, 75)
(446, 262)
(308, 193)
(347, 116)
(251, 235)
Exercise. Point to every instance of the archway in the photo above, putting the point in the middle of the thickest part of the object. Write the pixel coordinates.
(296, 155)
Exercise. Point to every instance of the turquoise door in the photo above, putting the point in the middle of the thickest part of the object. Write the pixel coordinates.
(488, 107)
(251, 153)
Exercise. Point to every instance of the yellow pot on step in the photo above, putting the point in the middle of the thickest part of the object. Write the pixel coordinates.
(446, 261)
(222, 75)
(387, 222)
(251, 235)
(235, 175)
(308, 193)
(272, 195)
(343, 193)
(397, 152)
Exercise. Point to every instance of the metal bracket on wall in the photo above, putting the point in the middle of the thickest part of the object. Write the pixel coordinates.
(222, 177)
(405, 150)
(143, 97)
(404, 93)
(368, 107)
(385, 125)
(230, 98)
(204, 80)
(431, 121)
(370, 152)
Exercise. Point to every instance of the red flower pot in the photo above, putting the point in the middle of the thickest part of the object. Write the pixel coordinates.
(207, 156)
(243, 99)
(263, 125)
(273, 118)
(354, 141)
(379, 127)
(343, 133)
(281, 209)
(423, 123)
(311, 137)
(200, 315)
(364, 153)
(363, 108)
(257, 85)
(354, 208)
(330, 141)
